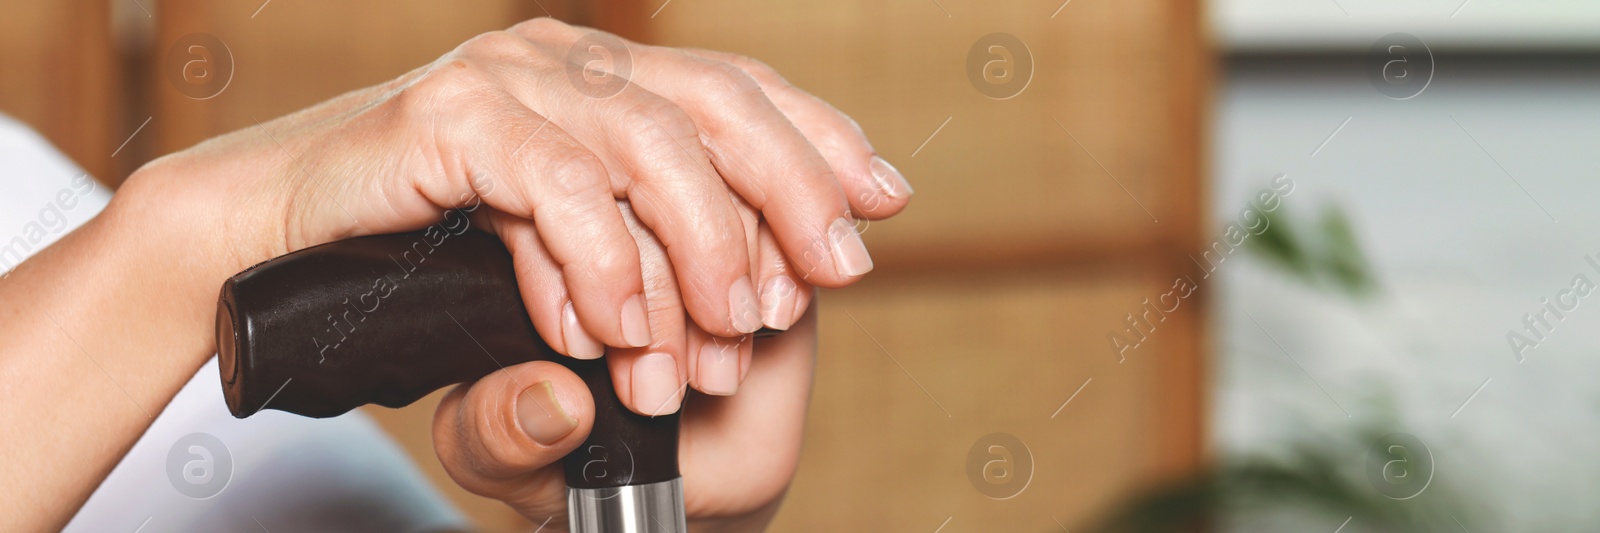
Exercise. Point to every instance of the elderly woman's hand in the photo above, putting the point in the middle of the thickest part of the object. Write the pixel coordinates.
(750, 184)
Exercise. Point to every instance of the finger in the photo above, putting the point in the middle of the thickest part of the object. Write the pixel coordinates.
(543, 288)
(763, 157)
(502, 437)
(758, 429)
(653, 151)
(718, 364)
(652, 380)
(522, 164)
(784, 296)
(876, 189)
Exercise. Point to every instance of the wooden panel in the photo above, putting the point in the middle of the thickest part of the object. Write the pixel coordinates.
(292, 54)
(1001, 181)
(914, 371)
(58, 74)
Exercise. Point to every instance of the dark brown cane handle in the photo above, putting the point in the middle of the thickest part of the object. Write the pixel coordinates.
(388, 319)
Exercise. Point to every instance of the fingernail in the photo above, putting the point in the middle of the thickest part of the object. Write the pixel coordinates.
(777, 302)
(889, 180)
(635, 323)
(579, 343)
(719, 368)
(849, 253)
(655, 384)
(541, 415)
(742, 304)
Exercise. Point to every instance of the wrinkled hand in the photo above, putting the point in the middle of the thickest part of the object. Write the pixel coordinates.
(504, 436)
(750, 184)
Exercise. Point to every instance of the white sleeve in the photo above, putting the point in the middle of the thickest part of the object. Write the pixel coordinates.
(42, 194)
(197, 468)
(200, 469)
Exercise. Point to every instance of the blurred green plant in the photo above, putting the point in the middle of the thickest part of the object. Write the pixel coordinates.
(1313, 479)
(1318, 475)
(1326, 255)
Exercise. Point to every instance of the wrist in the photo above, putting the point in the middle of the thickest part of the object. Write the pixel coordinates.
(211, 212)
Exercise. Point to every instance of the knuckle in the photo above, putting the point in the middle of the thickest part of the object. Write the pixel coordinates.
(499, 45)
(755, 67)
(573, 171)
(613, 266)
(448, 80)
(726, 82)
(654, 120)
(728, 244)
(496, 450)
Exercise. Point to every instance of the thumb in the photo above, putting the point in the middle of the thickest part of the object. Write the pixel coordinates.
(503, 437)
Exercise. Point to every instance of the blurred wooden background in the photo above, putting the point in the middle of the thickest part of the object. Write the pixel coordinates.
(1040, 221)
